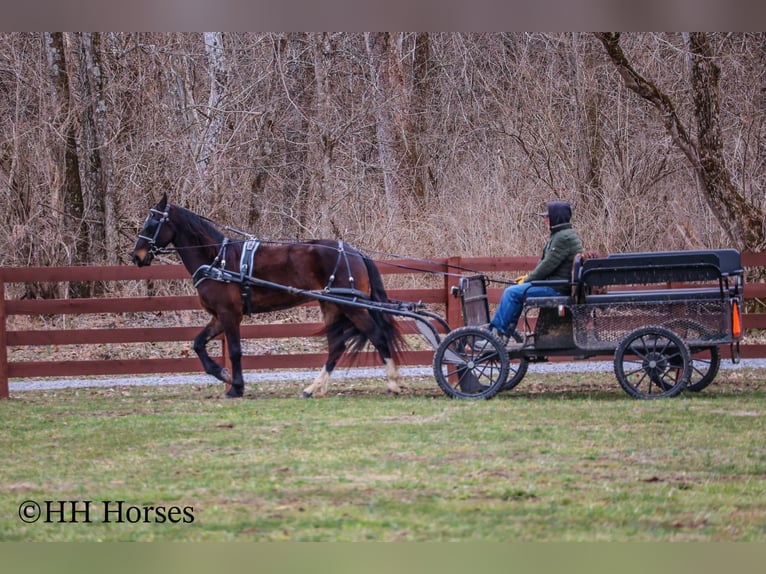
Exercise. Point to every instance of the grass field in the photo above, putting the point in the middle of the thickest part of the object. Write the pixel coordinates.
(553, 460)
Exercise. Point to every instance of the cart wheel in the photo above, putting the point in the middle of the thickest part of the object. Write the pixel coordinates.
(470, 363)
(705, 364)
(517, 368)
(705, 360)
(652, 363)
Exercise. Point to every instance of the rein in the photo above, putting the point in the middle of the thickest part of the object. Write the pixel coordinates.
(458, 270)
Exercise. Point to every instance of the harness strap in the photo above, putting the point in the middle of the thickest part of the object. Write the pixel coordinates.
(246, 267)
(216, 270)
(342, 255)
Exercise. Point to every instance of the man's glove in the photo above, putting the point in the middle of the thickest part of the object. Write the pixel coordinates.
(521, 279)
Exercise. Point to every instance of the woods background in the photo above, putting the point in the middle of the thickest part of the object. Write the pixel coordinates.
(419, 144)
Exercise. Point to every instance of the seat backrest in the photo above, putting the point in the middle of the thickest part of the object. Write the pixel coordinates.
(579, 288)
(729, 260)
(473, 293)
(658, 267)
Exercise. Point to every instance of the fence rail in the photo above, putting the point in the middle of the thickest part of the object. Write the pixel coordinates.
(41, 338)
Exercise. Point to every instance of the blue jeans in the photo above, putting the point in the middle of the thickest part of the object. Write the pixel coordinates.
(511, 304)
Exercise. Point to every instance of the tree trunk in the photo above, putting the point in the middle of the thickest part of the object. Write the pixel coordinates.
(422, 73)
(322, 142)
(93, 151)
(219, 86)
(67, 199)
(397, 159)
(588, 131)
(296, 76)
(741, 220)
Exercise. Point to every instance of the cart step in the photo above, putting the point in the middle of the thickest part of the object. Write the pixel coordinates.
(514, 347)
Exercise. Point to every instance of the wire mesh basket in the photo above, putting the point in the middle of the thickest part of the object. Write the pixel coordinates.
(697, 323)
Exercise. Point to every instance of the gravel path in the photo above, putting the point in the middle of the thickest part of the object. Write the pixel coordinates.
(339, 374)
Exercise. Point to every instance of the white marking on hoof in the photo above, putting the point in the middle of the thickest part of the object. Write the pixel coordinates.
(394, 378)
(319, 386)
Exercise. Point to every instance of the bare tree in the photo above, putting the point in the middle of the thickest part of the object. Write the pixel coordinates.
(67, 198)
(423, 71)
(96, 160)
(742, 220)
(589, 148)
(396, 148)
(295, 135)
(322, 142)
(214, 114)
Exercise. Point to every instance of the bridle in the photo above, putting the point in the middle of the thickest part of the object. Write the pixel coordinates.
(151, 229)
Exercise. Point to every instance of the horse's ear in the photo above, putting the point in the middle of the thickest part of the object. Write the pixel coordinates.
(163, 202)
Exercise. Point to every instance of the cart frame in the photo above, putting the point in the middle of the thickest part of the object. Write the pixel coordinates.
(661, 315)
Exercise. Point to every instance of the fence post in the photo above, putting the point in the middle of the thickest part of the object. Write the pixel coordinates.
(454, 312)
(4, 393)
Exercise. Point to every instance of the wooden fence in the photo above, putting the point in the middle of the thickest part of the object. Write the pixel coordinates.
(439, 297)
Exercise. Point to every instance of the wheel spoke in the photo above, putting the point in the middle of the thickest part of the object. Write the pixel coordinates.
(652, 362)
(470, 363)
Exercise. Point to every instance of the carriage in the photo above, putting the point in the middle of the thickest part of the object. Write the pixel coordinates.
(663, 316)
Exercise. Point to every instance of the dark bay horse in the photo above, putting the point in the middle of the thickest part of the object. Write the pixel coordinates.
(313, 265)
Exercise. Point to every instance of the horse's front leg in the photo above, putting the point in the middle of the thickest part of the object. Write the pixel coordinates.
(211, 331)
(235, 355)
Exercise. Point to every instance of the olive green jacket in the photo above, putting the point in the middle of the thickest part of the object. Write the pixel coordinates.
(558, 254)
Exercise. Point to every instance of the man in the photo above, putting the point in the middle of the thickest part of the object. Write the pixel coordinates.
(556, 263)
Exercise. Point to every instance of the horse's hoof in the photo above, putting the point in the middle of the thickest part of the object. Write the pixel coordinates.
(306, 395)
(235, 393)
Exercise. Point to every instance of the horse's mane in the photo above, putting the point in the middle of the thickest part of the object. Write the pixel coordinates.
(206, 232)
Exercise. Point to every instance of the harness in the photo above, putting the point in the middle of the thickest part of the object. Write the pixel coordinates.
(151, 229)
(245, 278)
(216, 271)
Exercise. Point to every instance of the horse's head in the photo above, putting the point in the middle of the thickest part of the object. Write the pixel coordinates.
(154, 235)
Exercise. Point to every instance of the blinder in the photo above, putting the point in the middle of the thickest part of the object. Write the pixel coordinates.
(151, 229)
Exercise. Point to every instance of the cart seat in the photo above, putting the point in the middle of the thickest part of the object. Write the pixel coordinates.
(549, 301)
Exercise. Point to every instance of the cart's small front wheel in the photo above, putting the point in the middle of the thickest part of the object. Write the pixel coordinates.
(517, 368)
(470, 363)
(652, 363)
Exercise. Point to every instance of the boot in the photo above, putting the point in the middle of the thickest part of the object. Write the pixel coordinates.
(484, 344)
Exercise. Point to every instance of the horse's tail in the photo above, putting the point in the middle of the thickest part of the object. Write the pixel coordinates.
(384, 321)
(387, 329)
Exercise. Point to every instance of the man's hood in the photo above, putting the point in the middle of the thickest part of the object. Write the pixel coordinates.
(559, 212)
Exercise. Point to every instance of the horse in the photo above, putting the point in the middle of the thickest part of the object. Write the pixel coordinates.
(320, 265)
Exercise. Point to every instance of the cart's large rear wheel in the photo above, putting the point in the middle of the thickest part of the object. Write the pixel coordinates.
(471, 363)
(652, 363)
(705, 360)
(705, 365)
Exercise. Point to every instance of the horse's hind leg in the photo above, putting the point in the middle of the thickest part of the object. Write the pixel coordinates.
(363, 321)
(336, 347)
(393, 378)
